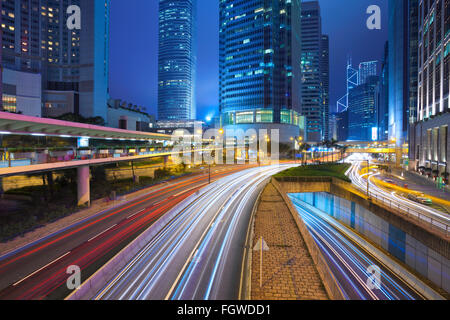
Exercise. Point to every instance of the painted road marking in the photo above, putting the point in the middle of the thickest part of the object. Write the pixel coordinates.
(101, 233)
(18, 282)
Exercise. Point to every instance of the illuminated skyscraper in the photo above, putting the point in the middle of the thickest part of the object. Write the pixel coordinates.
(312, 102)
(177, 60)
(325, 85)
(383, 91)
(367, 69)
(260, 56)
(403, 32)
(362, 111)
(1, 68)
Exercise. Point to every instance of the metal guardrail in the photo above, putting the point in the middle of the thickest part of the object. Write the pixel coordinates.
(304, 179)
(434, 224)
(45, 156)
(382, 201)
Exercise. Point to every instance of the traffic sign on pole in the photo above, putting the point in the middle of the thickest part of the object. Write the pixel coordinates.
(261, 246)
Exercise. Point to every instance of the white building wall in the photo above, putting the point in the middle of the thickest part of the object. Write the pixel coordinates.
(28, 91)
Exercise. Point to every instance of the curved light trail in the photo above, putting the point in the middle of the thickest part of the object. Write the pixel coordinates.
(38, 270)
(198, 254)
(350, 263)
(436, 218)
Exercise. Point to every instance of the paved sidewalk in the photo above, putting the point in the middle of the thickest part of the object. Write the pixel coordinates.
(289, 272)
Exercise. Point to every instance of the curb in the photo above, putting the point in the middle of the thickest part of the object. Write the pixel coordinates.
(245, 290)
(329, 281)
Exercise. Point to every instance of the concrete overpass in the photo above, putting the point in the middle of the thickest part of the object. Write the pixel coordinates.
(11, 123)
(41, 160)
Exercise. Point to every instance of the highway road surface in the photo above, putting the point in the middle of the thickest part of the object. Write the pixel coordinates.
(198, 255)
(38, 271)
(350, 263)
(426, 214)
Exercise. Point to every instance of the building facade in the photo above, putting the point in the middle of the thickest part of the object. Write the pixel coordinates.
(342, 126)
(325, 85)
(259, 64)
(367, 69)
(402, 73)
(312, 104)
(362, 111)
(429, 138)
(177, 59)
(127, 116)
(1, 64)
(73, 64)
(22, 92)
(383, 97)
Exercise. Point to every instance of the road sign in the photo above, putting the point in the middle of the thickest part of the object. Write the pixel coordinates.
(261, 246)
(265, 247)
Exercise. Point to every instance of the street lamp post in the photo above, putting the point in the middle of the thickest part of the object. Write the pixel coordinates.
(368, 176)
(293, 149)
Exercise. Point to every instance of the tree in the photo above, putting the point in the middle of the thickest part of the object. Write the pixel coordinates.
(334, 144)
(304, 148)
(343, 150)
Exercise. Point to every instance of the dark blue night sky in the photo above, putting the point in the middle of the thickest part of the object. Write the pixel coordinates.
(134, 48)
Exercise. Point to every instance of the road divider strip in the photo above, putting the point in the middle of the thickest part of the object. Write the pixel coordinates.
(329, 281)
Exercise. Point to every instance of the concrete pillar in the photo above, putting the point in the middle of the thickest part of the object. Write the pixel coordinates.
(166, 160)
(84, 194)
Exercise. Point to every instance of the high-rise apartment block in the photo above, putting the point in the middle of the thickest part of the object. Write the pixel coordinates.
(72, 63)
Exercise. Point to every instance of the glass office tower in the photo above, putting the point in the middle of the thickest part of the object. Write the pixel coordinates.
(260, 57)
(362, 111)
(325, 85)
(177, 60)
(367, 69)
(402, 70)
(312, 107)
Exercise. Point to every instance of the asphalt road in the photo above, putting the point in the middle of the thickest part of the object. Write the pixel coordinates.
(350, 263)
(426, 214)
(198, 255)
(38, 271)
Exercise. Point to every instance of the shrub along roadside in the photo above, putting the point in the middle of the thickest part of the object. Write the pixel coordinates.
(324, 170)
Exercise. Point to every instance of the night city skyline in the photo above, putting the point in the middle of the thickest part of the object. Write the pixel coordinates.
(225, 159)
(133, 80)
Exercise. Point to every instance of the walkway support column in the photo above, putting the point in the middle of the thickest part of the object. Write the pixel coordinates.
(84, 193)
